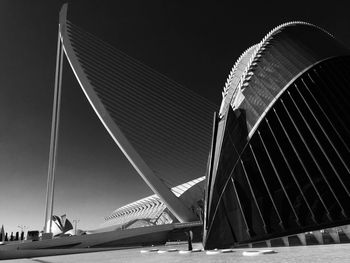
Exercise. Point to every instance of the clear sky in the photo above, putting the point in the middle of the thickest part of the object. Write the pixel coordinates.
(194, 43)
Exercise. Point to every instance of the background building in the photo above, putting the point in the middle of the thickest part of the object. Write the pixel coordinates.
(151, 210)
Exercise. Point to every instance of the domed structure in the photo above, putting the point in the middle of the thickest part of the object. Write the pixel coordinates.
(279, 162)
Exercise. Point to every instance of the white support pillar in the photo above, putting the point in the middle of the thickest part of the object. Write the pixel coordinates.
(302, 238)
(319, 237)
(54, 138)
(333, 232)
(268, 243)
(346, 230)
(285, 241)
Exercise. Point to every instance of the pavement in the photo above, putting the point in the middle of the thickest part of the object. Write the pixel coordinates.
(335, 253)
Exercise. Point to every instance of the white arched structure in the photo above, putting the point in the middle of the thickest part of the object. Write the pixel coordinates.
(162, 128)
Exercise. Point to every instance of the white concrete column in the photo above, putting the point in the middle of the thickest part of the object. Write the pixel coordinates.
(302, 238)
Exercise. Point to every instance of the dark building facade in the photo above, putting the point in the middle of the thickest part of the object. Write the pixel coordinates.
(279, 161)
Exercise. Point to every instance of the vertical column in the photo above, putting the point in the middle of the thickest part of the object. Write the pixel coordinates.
(319, 236)
(346, 230)
(333, 232)
(54, 137)
(302, 238)
(285, 241)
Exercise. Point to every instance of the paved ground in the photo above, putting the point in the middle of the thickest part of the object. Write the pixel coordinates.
(321, 253)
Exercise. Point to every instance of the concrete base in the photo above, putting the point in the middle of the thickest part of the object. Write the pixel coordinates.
(294, 241)
(277, 242)
(46, 236)
(259, 244)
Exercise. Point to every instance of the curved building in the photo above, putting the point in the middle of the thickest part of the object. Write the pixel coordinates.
(279, 161)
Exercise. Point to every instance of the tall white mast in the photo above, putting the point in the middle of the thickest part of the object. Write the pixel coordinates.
(54, 137)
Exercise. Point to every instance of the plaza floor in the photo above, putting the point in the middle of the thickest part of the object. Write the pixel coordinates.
(320, 253)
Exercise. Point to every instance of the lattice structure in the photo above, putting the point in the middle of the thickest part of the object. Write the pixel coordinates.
(150, 210)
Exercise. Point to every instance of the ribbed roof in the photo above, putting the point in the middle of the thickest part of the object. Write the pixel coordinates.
(150, 206)
(274, 49)
(247, 59)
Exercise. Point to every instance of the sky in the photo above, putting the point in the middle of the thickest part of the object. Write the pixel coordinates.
(192, 42)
